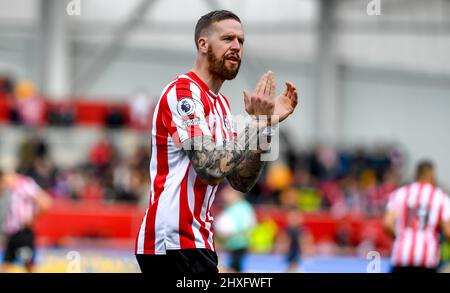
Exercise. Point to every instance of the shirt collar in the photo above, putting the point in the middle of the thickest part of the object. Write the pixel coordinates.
(200, 82)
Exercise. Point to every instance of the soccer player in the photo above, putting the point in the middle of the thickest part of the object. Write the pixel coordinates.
(25, 200)
(415, 214)
(195, 146)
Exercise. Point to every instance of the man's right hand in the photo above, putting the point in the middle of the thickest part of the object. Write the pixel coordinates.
(261, 102)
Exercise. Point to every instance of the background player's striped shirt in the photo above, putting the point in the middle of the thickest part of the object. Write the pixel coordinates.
(420, 210)
(179, 213)
(21, 207)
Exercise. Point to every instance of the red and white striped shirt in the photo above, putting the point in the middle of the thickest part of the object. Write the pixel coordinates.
(420, 209)
(21, 204)
(179, 215)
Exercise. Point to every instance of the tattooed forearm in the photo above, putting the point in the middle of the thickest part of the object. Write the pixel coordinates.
(244, 177)
(213, 163)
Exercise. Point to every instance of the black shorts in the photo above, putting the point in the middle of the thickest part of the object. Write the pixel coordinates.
(185, 261)
(20, 247)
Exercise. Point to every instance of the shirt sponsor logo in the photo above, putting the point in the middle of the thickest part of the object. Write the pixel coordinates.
(191, 122)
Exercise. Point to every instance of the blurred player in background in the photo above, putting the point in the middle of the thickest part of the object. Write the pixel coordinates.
(415, 214)
(294, 240)
(24, 200)
(195, 146)
(234, 225)
(294, 235)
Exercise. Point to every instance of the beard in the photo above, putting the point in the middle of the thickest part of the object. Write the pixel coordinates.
(218, 67)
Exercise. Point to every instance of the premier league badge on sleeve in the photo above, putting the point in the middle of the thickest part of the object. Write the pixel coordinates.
(186, 106)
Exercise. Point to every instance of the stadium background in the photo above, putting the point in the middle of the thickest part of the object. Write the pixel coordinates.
(374, 99)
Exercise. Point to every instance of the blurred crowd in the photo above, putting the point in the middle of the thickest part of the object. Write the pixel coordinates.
(347, 180)
(105, 175)
(356, 180)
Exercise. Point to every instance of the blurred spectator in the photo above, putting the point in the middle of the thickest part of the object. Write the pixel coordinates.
(141, 158)
(102, 154)
(324, 163)
(289, 197)
(29, 106)
(127, 183)
(115, 118)
(263, 236)
(32, 148)
(332, 194)
(6, 86)
(72, 184)
(353, 197)
(234, 225)
(62, 187)
(141, 110)
(92, 189)
(138, 186)
(309, 197)
(63, 115)
(358, 162)
(279, 177)
(43, 172)
(390, 181)
(369, 190)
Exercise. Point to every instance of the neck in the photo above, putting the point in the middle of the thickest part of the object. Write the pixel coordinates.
(213, 82)
(7, 180)
(425, 181)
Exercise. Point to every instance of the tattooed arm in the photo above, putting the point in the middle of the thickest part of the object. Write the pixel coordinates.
(240, 160)
(244, 177)
(213, 163)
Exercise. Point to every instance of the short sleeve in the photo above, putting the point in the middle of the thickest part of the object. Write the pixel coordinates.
(31, 188)
(185, 114)
(446, 208)
(392, 203)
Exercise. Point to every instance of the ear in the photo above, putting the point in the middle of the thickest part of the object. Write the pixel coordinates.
(202, 45)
